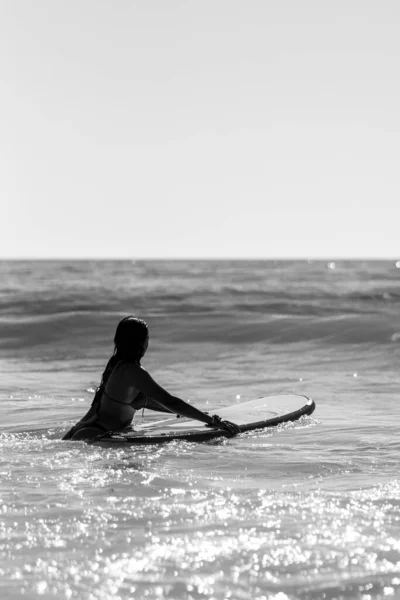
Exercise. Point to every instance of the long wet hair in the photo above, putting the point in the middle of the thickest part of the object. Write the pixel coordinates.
(129, 340)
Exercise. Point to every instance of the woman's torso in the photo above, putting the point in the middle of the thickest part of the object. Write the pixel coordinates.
(120, 398)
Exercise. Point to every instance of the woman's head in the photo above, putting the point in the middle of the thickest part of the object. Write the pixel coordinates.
(131, 338)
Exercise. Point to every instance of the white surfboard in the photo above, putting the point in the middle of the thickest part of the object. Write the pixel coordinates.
(253, 414)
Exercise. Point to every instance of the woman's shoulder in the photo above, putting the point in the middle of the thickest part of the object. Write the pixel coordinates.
(124, 373)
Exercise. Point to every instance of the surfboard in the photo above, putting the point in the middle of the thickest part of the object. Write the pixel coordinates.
(267, 411)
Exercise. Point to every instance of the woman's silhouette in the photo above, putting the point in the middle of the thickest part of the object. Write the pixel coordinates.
(126, 387)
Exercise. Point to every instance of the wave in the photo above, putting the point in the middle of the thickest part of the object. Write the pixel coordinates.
(71, 333)
(290, 329)
(310, 303)
(69, 305)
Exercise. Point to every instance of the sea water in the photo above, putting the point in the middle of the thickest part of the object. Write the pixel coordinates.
(306, 510)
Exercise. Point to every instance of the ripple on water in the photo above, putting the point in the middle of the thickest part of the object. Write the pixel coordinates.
(180, 541)
(175, 522)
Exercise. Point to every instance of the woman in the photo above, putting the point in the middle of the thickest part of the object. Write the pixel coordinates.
(126, 387)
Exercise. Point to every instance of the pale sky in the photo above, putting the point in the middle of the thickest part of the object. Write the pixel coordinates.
(200, 128)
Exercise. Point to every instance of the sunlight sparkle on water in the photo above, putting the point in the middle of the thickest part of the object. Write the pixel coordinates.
(177, 540)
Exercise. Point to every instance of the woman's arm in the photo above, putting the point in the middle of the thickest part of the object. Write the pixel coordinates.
(152, 404)
(146, 384)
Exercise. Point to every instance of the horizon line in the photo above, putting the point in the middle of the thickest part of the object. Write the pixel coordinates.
(201, 258)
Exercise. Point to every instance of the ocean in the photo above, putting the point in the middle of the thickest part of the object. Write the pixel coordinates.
(308, 510)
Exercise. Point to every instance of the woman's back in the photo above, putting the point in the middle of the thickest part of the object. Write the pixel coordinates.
(120, 398)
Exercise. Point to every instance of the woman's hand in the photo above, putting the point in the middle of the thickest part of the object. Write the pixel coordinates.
(218, 423)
